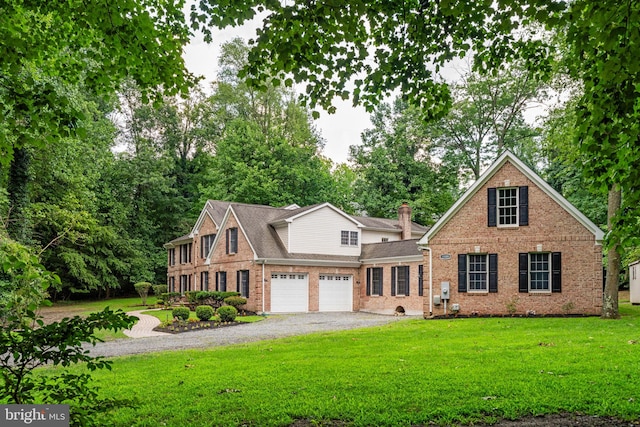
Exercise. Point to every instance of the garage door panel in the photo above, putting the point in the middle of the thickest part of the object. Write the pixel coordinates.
(289, 293)
(335, 293)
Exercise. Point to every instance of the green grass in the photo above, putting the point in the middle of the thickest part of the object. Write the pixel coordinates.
(410, 372)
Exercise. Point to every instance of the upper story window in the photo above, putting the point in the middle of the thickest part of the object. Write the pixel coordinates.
(185, 253)
(349, 238)
(232, 240)
(205, 244)
(508, 206)
(172, 256)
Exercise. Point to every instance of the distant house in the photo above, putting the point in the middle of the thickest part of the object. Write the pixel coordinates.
(301, 259)
(634, 282)
(512, 245)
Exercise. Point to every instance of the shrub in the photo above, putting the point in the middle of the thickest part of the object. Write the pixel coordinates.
(191, 296)
(227, 313)
(204, 312)
(158, 290)
(235, 301)
(214, 299)
(142, 288)
(169, 298)
(181, 313)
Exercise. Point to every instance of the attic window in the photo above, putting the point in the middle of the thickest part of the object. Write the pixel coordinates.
(349, 238)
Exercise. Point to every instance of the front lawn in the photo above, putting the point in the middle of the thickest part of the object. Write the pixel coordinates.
(411, 372)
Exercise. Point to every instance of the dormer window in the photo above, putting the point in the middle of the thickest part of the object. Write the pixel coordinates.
(508, 206)
(349, 238)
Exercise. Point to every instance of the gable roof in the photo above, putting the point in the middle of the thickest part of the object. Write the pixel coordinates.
(214, 209)
(505, 157)
(294, 214)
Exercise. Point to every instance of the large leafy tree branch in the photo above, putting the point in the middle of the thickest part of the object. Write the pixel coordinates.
(380, 46)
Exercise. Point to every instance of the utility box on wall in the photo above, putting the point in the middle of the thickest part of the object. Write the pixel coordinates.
(444, 287)
(634, 282)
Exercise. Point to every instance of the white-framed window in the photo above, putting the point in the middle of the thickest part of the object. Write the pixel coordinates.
(243, 283)
(478, 273)
(507, 207)
(185, 253)
(374, 281)
(349, 238)
(205, 244)
(400, 281)
(539, 272)
(232, 240)
(221, 281)
(172, 256)
(204, 280)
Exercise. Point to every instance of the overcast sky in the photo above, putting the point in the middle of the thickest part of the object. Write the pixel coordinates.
(339, 130)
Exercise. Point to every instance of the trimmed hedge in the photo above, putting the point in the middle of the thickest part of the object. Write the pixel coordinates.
(204, 312)
(214, 299)
(235, 301)
(227, 313)
(181, 313)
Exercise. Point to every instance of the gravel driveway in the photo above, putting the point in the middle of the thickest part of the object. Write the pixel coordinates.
(275, 326)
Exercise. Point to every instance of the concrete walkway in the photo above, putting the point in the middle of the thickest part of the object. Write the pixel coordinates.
(144, 327)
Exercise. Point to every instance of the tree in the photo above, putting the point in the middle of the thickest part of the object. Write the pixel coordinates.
(51, 47)
(395, 164)
(486, 118)
(383, 46)
(26, 343)
(266, 148)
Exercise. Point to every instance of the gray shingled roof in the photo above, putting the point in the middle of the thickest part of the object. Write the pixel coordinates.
(257, 222)
(399, 248)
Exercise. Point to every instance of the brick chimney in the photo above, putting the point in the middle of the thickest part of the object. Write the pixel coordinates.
(404, 219)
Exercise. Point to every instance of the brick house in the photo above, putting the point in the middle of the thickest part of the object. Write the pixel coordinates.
(512, 245)
(293, 259)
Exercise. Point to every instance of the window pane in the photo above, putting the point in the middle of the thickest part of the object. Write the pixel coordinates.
(478, 272)
(507, 206)
(354, 238)
(539, 272)
(344, 237)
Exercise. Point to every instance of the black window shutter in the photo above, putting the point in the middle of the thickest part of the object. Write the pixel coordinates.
(462, 272)
(217, 281)
(556, 272)
(227, 244)
(369, 281)
(493, 272)
(523, 276)
(407, 282)
(393, 281)
(381, 275)
(523, 207)
(238, 281)
(492, 212)
(421, 280)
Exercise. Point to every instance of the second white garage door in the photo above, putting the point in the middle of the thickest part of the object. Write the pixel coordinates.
(289, 293)
(335, 293)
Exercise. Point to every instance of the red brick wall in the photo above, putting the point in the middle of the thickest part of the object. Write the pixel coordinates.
(387, 304)
(549, 225)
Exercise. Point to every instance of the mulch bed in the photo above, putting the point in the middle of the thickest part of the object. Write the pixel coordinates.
(180, 327)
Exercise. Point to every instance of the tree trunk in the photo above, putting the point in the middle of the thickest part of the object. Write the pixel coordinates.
(18, 189)
(610, 295)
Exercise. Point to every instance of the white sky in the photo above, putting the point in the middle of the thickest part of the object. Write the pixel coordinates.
(339, 130)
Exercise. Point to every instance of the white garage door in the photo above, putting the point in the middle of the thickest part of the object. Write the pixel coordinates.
(336, 293)
(289, 293)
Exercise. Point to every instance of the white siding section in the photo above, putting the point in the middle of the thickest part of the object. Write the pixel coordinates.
(283, 234)
(319, 233)
(377, 236)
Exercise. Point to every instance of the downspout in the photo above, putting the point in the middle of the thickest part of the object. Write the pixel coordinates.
(262, 287)
(430, 281)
